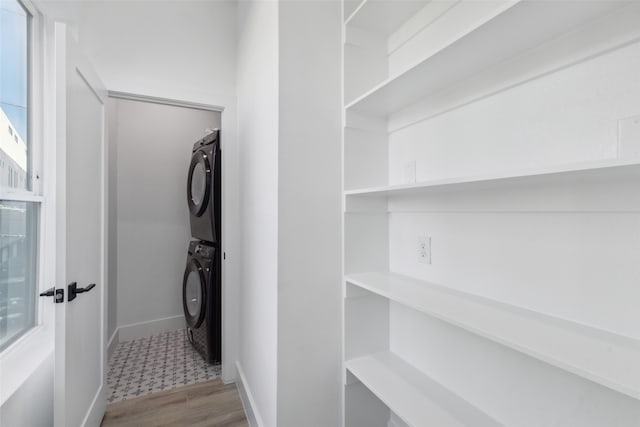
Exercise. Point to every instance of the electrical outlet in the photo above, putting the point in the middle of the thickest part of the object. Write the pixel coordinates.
(410, 172)
(424, 250)
(629, 138)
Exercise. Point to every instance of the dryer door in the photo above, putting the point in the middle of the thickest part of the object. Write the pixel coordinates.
(199, 184)
(194, 294)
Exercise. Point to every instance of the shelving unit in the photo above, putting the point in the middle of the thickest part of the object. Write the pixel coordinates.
(557, 81)
(602, 357)
(417, 399)
(463, 54)
(559, 174)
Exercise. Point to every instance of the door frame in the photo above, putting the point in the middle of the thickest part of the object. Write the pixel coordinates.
(229, 224)
(164, 101)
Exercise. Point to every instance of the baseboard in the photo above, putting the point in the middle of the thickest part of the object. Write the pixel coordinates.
(139, 330)
(113, 343)
(96, 410)
(249, 405)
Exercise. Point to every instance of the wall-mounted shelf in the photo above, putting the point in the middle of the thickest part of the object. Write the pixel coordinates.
(507, 130)
(600, 356)
(577, 172)
(528, 24)
(413, 396)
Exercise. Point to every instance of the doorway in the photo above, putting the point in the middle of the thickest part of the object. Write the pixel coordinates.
(150, 143)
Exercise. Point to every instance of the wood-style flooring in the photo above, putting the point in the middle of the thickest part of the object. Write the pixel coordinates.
(209, 404)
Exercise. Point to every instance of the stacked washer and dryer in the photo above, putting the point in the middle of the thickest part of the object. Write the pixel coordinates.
(202, 283)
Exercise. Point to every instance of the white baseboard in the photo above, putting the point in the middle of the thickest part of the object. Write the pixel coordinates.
(139, 330)
(96, 410)
(249, 405)
(113, 343)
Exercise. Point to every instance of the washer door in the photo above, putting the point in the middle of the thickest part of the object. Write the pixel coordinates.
(199, 184)
(194, 294)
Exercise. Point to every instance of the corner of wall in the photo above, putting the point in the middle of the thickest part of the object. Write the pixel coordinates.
(114, 340)
(250, 408)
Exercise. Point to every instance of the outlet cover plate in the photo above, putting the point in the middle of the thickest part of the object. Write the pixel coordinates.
(410, 172)
(629, 137)
(424, 250)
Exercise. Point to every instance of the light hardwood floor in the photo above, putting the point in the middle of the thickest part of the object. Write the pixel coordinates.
(211, 403)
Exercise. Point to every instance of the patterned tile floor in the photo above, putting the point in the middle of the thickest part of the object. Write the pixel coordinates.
(149, 365)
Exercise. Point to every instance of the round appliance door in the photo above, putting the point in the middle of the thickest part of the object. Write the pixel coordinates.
(199, 183)
(194, 294)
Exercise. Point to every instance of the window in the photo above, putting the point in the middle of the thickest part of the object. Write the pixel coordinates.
(18, 267)
(19, 204)
(14, 87)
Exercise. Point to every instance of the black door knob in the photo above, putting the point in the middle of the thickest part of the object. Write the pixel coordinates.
(74, 289)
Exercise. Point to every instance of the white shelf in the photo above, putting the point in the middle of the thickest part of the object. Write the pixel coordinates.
(602, 357)
(414, 397)
(528, 24)
(575, 172)
(383, 16)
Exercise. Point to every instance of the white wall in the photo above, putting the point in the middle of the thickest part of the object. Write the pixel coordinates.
(258, 141)
(309, 205)
(174, 49)
(153, 151)
(32, 403)
(289, 127)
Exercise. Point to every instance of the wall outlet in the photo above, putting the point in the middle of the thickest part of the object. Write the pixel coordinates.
(629, 138)
(424, 249)
(410, 172)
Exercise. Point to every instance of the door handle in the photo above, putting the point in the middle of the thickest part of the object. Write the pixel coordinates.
(58, 294)
(48, 292)
(74, 289)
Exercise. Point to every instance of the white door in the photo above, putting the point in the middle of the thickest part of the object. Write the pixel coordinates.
(80, 341)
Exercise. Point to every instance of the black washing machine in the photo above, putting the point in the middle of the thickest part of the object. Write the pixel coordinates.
(201, 300)
(204, 188)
